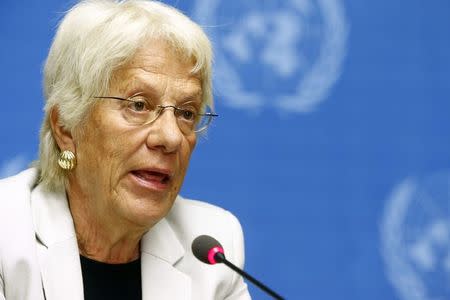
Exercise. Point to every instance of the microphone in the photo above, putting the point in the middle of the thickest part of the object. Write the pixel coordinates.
(208, 250)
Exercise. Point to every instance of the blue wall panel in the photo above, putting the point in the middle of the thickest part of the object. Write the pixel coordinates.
(332, 143)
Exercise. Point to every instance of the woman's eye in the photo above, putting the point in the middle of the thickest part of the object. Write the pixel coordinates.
(188, 114)
(138, 105)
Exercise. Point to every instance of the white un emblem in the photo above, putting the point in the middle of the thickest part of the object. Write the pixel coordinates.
(281, 53)
(415, 236)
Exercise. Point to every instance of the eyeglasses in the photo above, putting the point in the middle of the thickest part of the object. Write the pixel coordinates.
(140, 110)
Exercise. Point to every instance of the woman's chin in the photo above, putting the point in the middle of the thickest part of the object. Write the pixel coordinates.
(146, 212)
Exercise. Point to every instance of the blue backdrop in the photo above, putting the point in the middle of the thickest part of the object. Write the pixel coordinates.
(332, 145)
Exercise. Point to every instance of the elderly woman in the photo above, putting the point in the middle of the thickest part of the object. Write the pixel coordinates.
(128, 89)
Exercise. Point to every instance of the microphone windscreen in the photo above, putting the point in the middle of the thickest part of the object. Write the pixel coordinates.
(202, 245)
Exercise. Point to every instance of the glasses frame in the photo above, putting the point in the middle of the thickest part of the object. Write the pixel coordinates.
(160, 110)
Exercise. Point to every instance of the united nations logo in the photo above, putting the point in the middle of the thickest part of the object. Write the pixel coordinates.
(415, 236)
(281, 53)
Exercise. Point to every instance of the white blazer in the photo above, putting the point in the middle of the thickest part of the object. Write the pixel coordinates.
(39, 257)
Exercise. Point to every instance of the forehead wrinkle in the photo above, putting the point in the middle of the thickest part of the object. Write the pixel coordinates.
(160, 83)
(156, 59)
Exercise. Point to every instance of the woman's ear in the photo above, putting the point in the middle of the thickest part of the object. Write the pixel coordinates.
(62, 136)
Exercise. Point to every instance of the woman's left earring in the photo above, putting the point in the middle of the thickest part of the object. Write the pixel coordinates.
(67, 160)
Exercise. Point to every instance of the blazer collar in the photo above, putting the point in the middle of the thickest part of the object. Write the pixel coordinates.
(59, 255)
(52, 218)
(57, 247)
(162, 242)
(160, 250)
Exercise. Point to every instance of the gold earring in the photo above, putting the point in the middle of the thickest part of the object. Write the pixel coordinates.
(67, 160)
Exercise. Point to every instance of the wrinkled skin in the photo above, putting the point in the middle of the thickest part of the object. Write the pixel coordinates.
(111, 206)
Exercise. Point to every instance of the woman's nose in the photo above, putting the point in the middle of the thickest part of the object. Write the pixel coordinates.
(165, 133)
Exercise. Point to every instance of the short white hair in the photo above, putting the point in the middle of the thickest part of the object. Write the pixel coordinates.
(94, 39)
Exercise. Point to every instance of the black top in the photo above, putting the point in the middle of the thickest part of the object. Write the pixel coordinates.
(111, 281)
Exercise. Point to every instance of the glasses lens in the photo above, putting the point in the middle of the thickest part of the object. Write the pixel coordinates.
(203, 123)
(140, 111)
(205, 120)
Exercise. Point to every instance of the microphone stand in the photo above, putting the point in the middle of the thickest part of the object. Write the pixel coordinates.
(220, 257)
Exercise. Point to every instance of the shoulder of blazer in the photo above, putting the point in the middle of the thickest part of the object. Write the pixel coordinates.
(18, 185)
(15, 194)
(18, 258)
(191, 218)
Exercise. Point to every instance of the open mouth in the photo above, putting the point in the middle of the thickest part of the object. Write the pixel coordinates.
(152, 176)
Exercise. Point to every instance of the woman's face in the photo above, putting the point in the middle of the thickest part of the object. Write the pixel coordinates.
(127, 173)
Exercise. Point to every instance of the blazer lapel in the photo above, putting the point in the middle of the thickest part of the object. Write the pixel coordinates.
(57, 246)
(60, 261)
(160, 250)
